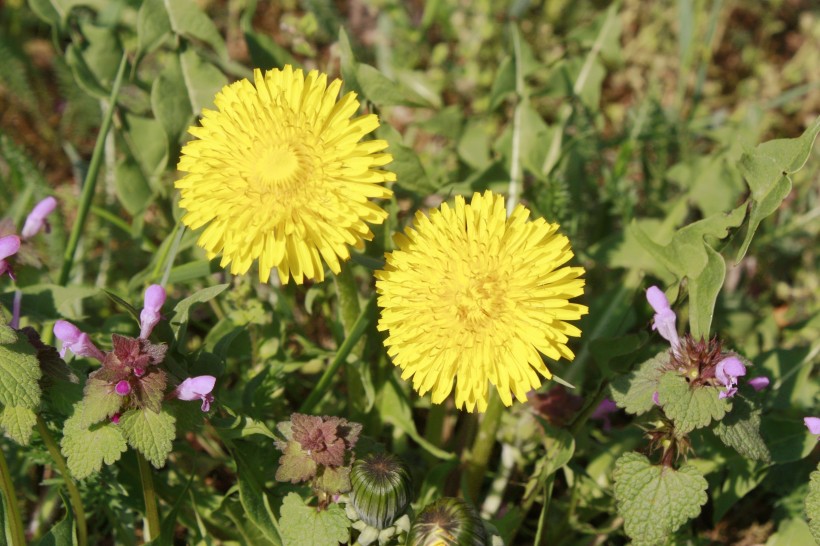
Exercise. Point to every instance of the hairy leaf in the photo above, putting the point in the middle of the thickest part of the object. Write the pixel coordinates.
(813, 504)
(295, 464)
(304, 525)
(86, 449)
(18, 423)
(740, 429)
(689, 407)
(633, 392)
(150, 433)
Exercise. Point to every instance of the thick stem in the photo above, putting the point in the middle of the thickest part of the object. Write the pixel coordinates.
(150, 495)
(15, 523)
(73, 493)
(349, 310)
(90, 183)
(479, 456)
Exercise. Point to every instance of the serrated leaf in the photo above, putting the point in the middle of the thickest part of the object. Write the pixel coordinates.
(656, 500)
(689, 407)
(19, 374)
(740, 429)
(99, 403)
(333, 480)
(86, 449)
(633, 392)
(813, 504)
(295, 464)
(150, 433)
(304, 525)
(18, 423)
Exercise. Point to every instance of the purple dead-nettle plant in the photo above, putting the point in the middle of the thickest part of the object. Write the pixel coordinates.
(197, 388)
(9, 245)
(37, 220)
(150, 315)
(701, 362)
(76, 341)
(813, 424)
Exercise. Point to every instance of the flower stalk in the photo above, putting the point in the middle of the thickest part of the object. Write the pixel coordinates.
(150, 495)
(477, 459)
(15, 523)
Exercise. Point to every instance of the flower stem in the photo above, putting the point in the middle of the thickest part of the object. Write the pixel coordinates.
(73, 493)
(349, 309)
(15, 524)
(477, 459)
(150, 495)
(90, 182)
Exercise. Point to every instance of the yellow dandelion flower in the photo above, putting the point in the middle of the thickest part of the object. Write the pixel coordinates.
(278, 174)
(473, 296)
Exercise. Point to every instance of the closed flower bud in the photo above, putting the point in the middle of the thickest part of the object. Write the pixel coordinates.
(381, 489)
(448, 522)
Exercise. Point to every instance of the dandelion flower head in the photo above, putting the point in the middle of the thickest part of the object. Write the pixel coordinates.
(278, 174)
(473, 297)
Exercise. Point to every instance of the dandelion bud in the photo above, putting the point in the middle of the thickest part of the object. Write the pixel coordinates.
(448, 521)
(37, 218)
(381, 489)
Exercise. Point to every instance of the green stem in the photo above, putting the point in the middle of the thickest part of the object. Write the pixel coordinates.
(434, 427)
(350, 341)
(90, 182)
(479, 456)
(73, 493)
(541, 535)
(150, 495)
(15, 523)
(349, 310)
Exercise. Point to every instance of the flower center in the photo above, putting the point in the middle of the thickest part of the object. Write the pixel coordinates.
(476, 297)
(278, 164)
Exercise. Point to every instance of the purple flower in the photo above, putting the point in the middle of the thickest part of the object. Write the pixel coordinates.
(602, 412)
(727, 372)
(116, 418)
(664, 320)
(123, 388)
(655, 398)
(149, 317)
(75, 341)
(9, 245)
(197, 388)
(759, 383)
(37, 218)
(813, 424)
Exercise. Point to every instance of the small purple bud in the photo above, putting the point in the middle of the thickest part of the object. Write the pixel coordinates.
(37, 218)
(139, 371)
(115, 418)
(149, 317)
(655, 398)
(76, 341)
(759, 383)
(813, 424)
(606, 407)
(123, 388)
(197, 388)
(664, 319)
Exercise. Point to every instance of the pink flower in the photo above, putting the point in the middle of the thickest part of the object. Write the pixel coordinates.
(75, 341)
(664, 320)
(37, 218)
(727, 372)
(116, 418)
(149, 317)
(197, 388)
(602, 412)
(9, 245)
(813, 424)
(123, 388)
(759, 383)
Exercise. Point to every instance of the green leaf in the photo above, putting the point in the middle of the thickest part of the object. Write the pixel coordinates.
(813, 504)
(19, 374)
(333, 480)
(304, 525)
(179, 322)
(153, 25)
(410, 173)
(83, 74)
(169, 100)
(147, 143)
(86, 449)
(689, 407)
(99, 402)
(254, 499)
(295, 464)
(18, 423)
(188, 20)
(62, 532)
(767, 169)
(349, 66)
(787, 438)
(703, 293)
(203, 80)
(382, 91)
(791, 532)
(740, 429)
(656, 500)
(131, 187)
(150, 433)
(633, 392)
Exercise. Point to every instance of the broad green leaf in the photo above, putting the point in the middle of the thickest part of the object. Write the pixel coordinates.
(18, 423)
(102, 53)
(254, 499)
(382, 91)
(813, 504)
(503, 83)
(304, 525)
(153, 25)
(188, 20)
(605, 350)
(83, 74)
(349, 66)
(656, 500)
(791, 532)
(62, 532)
(179, 322)
(148, 144)
(633, 392)
(703, 293)
(787, 438)
(410, 173)
(202, 79)
(99, 403)
(150, 433)
(689, 407)
(169, 100)
(741, 476)
(295, 464)
(19, 374)
(46, 302)
(131, 187)
(86, 449)
(740, 429)
(767, 169)
(333, 480)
